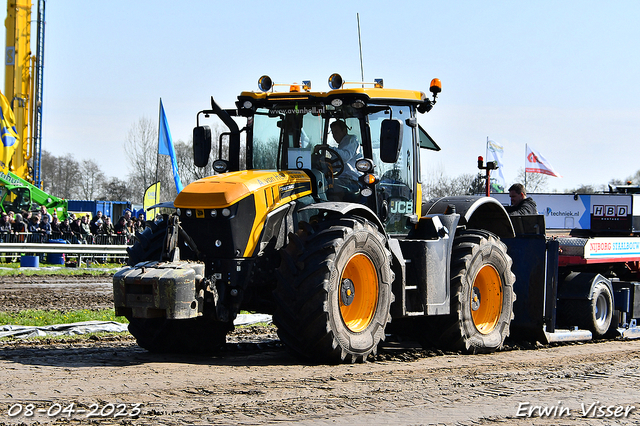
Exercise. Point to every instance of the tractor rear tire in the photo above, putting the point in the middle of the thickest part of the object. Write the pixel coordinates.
(482, 295)
(334, 290)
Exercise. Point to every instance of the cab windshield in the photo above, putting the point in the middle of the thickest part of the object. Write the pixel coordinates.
(286, 138)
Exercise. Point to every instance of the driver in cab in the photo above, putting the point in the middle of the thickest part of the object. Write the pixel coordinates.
(349, 150)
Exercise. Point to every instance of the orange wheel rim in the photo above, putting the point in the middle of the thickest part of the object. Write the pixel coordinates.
(358, 295)
(486, 299)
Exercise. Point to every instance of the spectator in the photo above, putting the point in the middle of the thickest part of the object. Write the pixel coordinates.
(127, 214)
(5, 224)
(44, 212)
(65, 228)
(45, 226)
(34, 224)
(97, 227)
(108, 226)
(139, 225)
(5, 227)
(520, 204)
(98, 216)
(85, 229)
(18, 224)
(55, 224)
(121, 226)
(75, 226)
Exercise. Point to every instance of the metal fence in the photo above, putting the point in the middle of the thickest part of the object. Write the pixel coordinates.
(101, 247)
(68, 238)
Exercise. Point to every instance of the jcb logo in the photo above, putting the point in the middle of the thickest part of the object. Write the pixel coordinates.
(401, 206)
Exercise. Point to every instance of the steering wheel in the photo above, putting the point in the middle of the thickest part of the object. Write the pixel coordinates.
(328, 160)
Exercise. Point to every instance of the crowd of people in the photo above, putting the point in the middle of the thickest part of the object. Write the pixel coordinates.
(80, 228)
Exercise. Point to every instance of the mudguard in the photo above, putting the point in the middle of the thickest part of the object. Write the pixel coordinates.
(350, 208)
(579, 285)
(475, 212)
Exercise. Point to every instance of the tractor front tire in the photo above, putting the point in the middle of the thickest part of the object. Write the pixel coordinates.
(334, 290)
(194, 336)
(197, 335)
(149, 242)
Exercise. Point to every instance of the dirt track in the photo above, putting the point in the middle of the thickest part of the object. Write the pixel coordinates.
(262, 383)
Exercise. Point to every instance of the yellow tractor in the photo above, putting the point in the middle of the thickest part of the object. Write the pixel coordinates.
(334, 248)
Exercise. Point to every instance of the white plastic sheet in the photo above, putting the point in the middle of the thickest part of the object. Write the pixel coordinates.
(23, 331)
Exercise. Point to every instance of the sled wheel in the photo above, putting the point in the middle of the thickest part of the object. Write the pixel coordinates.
(595, 314)
(334, 291)
(481, 295)
(601, 310)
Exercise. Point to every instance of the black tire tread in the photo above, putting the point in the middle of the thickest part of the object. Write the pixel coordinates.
(302, 313)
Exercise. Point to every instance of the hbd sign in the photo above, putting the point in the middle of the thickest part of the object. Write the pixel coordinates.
(610, 211)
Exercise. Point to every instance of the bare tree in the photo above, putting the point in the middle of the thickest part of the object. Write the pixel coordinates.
(141, 149)
(115, 189)
(536, 182)
(91, 180)
(437, 184)
(60, 175)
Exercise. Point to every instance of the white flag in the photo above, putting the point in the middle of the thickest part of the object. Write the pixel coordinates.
(494, 153)
(536, 163)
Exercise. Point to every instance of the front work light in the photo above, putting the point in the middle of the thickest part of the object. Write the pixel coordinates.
(335, 81)
(265, 83)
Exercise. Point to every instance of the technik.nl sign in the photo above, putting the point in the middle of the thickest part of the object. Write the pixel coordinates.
(600, 248)
(569, 211)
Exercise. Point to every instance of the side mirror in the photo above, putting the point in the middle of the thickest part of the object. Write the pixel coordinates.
(201, 145)
(390, 140)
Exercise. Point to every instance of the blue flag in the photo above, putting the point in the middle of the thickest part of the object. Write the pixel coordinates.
(8, 133)
(165, 146)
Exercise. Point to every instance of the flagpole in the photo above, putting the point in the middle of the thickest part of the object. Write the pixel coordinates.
(525, 166)
(158, 150)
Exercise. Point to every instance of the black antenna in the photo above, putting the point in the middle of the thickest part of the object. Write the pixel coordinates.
(360, 44)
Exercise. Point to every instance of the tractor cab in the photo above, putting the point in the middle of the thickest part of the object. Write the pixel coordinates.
(377, 164)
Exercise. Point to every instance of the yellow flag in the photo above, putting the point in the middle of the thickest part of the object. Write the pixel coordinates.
(151, 197)
(8, 133)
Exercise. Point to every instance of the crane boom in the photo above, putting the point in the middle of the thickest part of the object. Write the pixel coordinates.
(23, 86)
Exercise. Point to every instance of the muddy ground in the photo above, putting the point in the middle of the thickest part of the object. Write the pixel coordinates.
(113, 381)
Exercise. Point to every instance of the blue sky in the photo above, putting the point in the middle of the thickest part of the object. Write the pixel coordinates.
(562, 77)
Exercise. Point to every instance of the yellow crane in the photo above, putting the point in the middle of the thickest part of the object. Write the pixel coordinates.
(23, 86)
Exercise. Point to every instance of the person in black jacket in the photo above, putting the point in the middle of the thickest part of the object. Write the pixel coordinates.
(521, 205)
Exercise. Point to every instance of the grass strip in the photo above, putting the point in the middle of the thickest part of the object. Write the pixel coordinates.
(10, 271)
(40, 318)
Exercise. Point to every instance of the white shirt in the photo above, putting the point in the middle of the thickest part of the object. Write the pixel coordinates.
(350, 151)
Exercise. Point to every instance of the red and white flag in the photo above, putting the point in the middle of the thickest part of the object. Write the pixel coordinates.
(536, 163)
